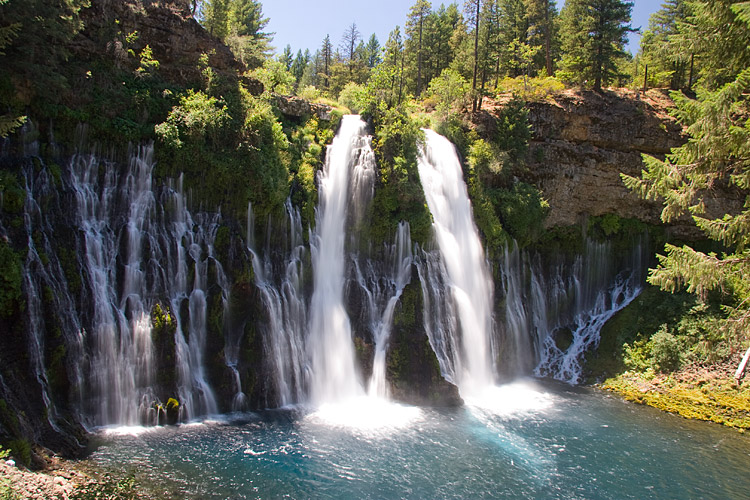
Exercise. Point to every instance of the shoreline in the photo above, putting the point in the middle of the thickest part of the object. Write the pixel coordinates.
(698, 395)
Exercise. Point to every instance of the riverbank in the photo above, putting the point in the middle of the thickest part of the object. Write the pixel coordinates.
(66, 480)
(695, 393)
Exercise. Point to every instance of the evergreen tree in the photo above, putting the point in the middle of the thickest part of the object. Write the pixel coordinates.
(372, 52)
(717, 152)
(8, 122)
(246, 37)
(472, 10)
(711, 32)
(513, 29)
(326, 54)
(541, 17)
(35, 36)
(286, 57)
(215, 17)
(667, 63)
(594, 33)
(415, 27)
(300, 64)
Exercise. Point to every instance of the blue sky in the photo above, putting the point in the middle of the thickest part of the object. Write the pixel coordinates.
(304, 23)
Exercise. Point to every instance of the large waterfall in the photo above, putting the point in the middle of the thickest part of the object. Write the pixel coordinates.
(466, 273)
(334, 373)
(132, 281)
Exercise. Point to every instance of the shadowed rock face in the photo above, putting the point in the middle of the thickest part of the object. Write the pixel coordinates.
(167, 26)
(582, 141)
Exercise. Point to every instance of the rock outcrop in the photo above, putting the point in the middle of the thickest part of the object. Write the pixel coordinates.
(582, 141)
(298, 107)
(167, 26)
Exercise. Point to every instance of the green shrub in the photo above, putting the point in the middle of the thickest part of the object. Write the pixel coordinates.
(11, 276)
(449, 92)
(21, 451)
(354, 97)
(665, 351)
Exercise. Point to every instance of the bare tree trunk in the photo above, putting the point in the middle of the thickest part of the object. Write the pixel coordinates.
(476, 60)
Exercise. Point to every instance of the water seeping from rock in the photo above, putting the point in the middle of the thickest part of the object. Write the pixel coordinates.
(133, 246)
(383, 291)
(287, 317)
(463, 270)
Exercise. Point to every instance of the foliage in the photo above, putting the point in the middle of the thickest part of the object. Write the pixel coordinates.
(110, 488)
(275, 77)
(398, 193)
(21, 451)
(198, 118)
(717, 153)
(530, 89)
(449, 92)
(714, 32)
(668, 63)
(593, 33)
(11, 276)
(522, 211)
(713, 400)
(354, 97)
(239, 24)
(6, 491)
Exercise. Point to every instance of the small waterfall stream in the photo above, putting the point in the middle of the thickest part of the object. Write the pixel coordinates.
(287, 309)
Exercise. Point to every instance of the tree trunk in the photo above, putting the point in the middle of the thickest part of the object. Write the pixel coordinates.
(547, 40)
(476, 60)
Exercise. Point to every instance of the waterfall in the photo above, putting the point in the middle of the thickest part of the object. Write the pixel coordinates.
(565, 303)
(122, 359)
(464, 269)
(45, 286)
(190, 244)
(330, 349)
(134, 251)
(383, 291)
(287, 311)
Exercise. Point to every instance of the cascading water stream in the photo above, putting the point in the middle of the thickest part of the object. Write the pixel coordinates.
(466, 272)
(155, 246)
(400, 262)
(287, 312)
(334, 376)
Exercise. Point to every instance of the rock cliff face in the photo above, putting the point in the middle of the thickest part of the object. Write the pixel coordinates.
(167, 26)
(582, 141)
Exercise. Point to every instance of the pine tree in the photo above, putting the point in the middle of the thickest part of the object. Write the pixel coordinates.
(472, 10)
(711, 32)
(415, 27)
(326, 54)
(513, 28)
(286, 57)
(717, 152)
(300, 64)
(594, 33)
(372, 52)
(668, 63)
(215, 17)
(8, 122)
(35, 36)
(541, 17)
